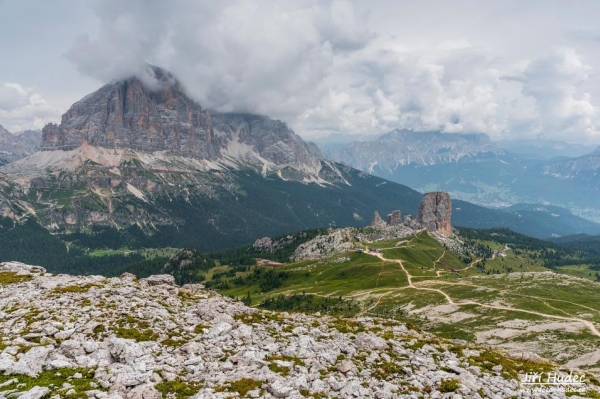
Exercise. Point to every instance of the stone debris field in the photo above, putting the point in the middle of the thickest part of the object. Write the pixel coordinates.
(63, 336)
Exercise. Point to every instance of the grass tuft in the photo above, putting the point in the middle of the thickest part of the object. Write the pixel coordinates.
(449, 385)
(178, 389)
(7, 278)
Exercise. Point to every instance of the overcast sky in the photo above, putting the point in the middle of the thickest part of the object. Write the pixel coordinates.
(511, 69)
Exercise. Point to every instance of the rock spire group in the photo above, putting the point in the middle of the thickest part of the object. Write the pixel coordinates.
(433, 214)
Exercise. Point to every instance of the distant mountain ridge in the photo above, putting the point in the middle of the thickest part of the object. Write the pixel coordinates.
(402, 147)
(584, 167)
(476, 169)
(17, 146)
(139, 163)
(543, 149)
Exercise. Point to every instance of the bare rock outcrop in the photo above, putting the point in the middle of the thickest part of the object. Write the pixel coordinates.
(149, 113)
(378, 221)
(335, 242)
(394, 218)
(435, 211)
(123, 338)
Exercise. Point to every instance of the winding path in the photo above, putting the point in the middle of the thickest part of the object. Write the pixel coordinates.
(409, 277)
(589, 325)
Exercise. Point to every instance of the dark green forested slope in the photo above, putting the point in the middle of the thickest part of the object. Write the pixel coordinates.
(271, 206)
(30, 243)
(264, 207)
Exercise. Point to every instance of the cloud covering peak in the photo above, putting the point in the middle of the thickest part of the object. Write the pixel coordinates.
(350, 67)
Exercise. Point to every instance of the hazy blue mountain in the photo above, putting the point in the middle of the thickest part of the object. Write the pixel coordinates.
(544, 149)
(582, 168)
(473, 168)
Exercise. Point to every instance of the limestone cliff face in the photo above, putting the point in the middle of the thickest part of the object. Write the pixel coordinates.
(272, 139)
(435, 211)
(394, 219)
(155, 116)
(152, 112)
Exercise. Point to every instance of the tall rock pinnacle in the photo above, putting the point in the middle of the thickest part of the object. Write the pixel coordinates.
(435, 211)
(378, 221)
(394, 219)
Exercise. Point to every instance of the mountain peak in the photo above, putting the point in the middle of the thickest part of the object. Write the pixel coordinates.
(155, 78)
(3, 131)
(150, 112)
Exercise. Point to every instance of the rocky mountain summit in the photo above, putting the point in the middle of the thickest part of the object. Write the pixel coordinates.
(68, 336)
(151, 112)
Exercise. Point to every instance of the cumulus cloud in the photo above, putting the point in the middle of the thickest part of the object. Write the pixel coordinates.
(268, 57)
(553, 82)
(129, 33)
(23, 108)
(323, 67)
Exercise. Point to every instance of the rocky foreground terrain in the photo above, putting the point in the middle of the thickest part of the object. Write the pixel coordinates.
(67, 336)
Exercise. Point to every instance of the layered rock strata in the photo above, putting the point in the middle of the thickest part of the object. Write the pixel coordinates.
(152, 113)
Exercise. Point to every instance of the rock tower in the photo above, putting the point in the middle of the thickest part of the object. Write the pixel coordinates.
(378, 221)
(435, 211)
(394, 219)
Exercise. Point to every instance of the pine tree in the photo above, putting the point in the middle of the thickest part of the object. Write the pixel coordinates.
(247, 300)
